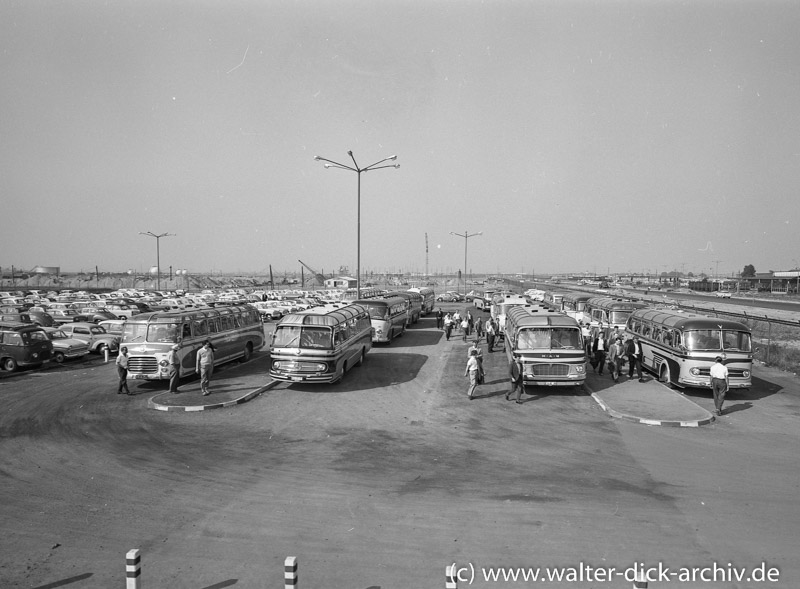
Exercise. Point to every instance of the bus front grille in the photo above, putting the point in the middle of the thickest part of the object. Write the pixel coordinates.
(550, 369)
(142, 365)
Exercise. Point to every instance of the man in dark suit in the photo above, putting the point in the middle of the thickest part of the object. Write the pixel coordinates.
(633, 349)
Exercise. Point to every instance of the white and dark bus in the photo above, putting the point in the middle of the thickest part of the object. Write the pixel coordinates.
(321, 344)
(235, 332)
(680, 348)
(388, 315)
(549, 343)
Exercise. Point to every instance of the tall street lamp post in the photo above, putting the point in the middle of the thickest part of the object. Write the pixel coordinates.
(466, 235)
(158, 253)
(355, 168)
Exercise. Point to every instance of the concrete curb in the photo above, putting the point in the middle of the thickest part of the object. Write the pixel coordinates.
(642, 420)
(153, 404)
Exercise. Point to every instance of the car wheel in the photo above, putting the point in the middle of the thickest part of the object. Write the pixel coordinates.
(101, 349)
(9, 364)
(59, 357)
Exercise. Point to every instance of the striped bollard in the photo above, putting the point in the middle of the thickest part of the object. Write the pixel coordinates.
(133, 570)
(290, 572)
(450, 577)
(640, 582)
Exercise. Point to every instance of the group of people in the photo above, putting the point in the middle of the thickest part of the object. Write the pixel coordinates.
(467, 324)
(613, 351)
(204, 365)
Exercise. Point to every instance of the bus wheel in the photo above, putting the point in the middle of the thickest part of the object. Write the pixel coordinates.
(665, 376)
(248, 352)
(360, 358)
(9, 364)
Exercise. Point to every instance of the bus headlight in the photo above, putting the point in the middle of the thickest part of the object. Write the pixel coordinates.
(694, 371)
(746, 373)
(163, 363)
(580, 368)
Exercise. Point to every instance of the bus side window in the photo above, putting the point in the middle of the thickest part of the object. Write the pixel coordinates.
(187, 330)
(668, 337)
(200, 327)
(646, 331)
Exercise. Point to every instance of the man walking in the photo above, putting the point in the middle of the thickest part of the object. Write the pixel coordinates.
(174, 369)
(633, 349)
(205, 365)
(515, 371)
(719, 383)
(439, 318)
(122, 371)
(490, 333)
(599, 349)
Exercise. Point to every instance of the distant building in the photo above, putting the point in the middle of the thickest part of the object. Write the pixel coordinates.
(341, 282)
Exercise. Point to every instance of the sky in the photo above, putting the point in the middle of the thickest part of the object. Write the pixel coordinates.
(573, 136)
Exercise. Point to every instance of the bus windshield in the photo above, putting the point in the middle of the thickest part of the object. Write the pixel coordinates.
(378, 312)
(715, 340)
(531, 339)
(620, 317)
(306, 336)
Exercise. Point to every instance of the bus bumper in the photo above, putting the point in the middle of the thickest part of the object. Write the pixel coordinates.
(282, 376)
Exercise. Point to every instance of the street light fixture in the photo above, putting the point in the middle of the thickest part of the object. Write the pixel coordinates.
(158, 253)
(357, 170)
(466, 235)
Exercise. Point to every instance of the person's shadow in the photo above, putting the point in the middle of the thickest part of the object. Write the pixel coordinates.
(738, 407)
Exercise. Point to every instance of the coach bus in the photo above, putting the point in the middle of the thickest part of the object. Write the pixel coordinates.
(501, 302)
(554, 299)
(550, 345)
(321, 344)
(388, 315)
(414, 304)
(234, 331)
(574, 305)
(680, 348)
(608, 313)
(367, 292)
(428, 298)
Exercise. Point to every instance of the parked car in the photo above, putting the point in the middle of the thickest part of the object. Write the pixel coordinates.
(96, 315)
(448, 297)
(121, 310)
(269, 310)
(23, 344)
(65, 347)
(113, 326)
(98, 338)
(725, 294)
(64, 316)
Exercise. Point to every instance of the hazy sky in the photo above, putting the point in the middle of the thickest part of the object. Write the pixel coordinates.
(577, 136)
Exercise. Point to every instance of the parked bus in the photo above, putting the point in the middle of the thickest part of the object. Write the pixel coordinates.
(388, 315)
(574, 305)
(680, 348)
(554, 299)
(367, 292)
(608, 313)
(428, 298)
(235, 331)
(550, 345)
(321, 344)
(414, 304)
(501, 302)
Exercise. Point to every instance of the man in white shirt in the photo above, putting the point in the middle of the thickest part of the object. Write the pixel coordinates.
(719, 383)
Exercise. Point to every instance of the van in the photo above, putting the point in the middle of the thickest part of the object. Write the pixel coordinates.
(23, 344)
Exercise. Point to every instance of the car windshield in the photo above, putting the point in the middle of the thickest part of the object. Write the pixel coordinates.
(57, 335)
(34, 336)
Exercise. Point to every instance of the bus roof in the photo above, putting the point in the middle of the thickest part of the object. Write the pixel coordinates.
(575, 296)
(332, 318)
(386, 301)
(539, 317)
(683, 321)
(615, 303)
(175, 315)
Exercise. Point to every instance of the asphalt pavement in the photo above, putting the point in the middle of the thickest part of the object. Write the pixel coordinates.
(649, 402)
